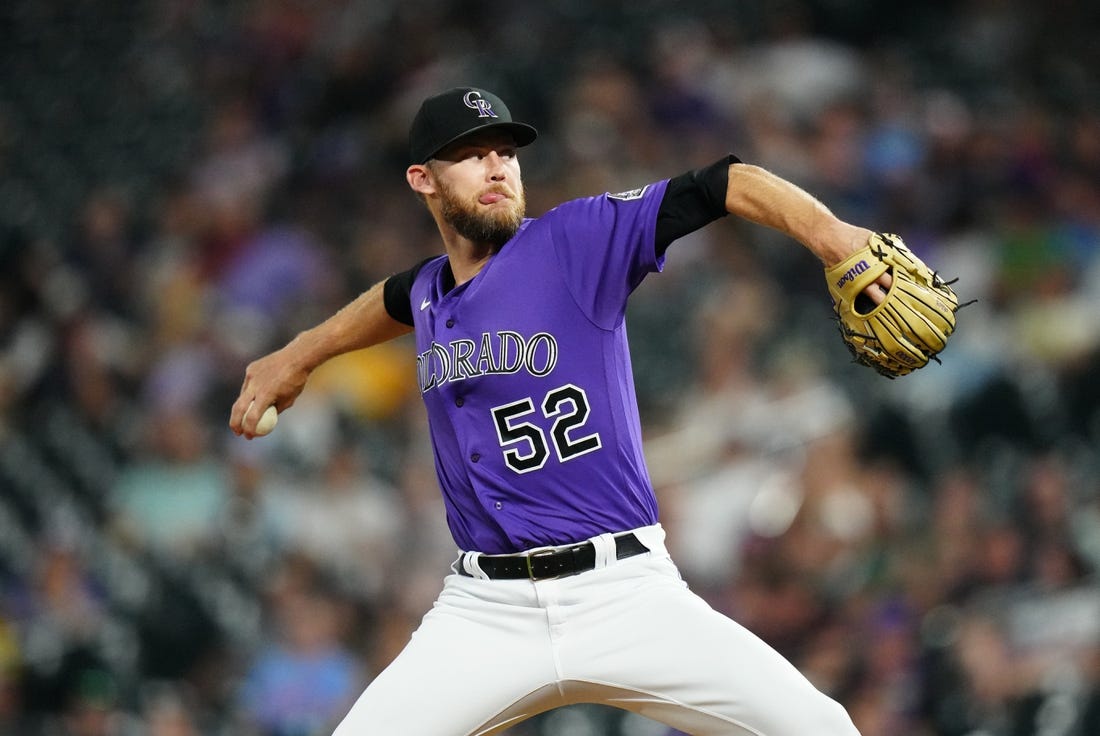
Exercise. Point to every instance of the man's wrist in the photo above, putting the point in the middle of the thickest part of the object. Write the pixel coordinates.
(840, 241)
(306, 351)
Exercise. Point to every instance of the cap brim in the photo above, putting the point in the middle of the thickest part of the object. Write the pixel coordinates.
(522, 133)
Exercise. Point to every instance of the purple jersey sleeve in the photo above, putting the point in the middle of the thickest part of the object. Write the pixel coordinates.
(605, 246)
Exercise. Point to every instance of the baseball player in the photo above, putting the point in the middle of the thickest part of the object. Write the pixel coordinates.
(563, 591)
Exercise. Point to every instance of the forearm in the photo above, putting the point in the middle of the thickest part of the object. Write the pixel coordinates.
(278, 378)
(360, 324)
(766, 199)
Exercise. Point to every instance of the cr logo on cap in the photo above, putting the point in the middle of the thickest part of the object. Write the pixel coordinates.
(475, 101)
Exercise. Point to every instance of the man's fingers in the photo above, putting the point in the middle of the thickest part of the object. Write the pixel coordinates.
(242, 420)
(238, 415)
(877, 290)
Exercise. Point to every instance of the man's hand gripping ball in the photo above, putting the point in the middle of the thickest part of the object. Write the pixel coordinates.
(915, 318)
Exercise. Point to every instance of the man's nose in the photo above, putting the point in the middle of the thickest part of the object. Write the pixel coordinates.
(495, 165)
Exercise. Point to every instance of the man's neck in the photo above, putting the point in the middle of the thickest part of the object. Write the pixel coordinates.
(466, 257)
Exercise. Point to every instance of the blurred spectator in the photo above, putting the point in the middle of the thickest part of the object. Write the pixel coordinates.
(234, 176)
(247, 539)
(348, 520)
(169, 709)
(104, 252)
(304, 679)
(58, 615)
(93, 706)
(169, 498)
(28, 336)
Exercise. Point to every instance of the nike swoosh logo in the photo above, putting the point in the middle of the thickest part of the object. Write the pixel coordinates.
(425, 304)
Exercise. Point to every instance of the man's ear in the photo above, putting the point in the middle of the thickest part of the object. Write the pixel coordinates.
(420, 179)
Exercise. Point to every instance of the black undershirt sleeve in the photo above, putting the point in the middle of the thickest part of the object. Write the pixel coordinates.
(396, 293)
(693, 200)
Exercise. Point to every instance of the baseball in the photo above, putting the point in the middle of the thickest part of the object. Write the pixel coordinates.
(267, 422)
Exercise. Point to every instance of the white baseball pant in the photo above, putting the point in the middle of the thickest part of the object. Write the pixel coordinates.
(629, 634)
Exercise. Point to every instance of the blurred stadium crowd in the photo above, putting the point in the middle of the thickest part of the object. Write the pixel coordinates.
(185, 184)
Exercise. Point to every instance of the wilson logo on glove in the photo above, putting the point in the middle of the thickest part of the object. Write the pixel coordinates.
(852, 273)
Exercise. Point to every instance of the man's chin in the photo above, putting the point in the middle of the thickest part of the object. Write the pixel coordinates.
(500, 222)
(495, 231)
(493, 223)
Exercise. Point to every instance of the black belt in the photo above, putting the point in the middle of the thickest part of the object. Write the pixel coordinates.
(552, 563)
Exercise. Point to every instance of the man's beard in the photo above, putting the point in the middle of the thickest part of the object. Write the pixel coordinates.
(495, 227)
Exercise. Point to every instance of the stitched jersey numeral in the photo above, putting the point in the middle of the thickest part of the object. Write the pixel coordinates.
(525, 444)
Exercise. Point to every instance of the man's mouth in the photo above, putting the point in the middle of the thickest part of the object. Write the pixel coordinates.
(492, 197)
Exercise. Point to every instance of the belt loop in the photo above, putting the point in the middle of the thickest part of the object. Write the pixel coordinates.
(604, 546)
(471, 566)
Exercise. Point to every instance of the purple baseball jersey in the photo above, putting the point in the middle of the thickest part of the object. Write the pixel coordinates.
(526, 375)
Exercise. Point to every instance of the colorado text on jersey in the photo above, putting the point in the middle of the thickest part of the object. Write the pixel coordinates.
(502, 352)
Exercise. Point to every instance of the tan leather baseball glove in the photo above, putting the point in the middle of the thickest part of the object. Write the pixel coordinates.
(912, 324)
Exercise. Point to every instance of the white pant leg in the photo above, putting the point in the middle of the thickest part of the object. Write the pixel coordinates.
(475, 664)
(635, 637)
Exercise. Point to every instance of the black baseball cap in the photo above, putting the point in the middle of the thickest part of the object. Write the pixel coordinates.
(444, 118)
